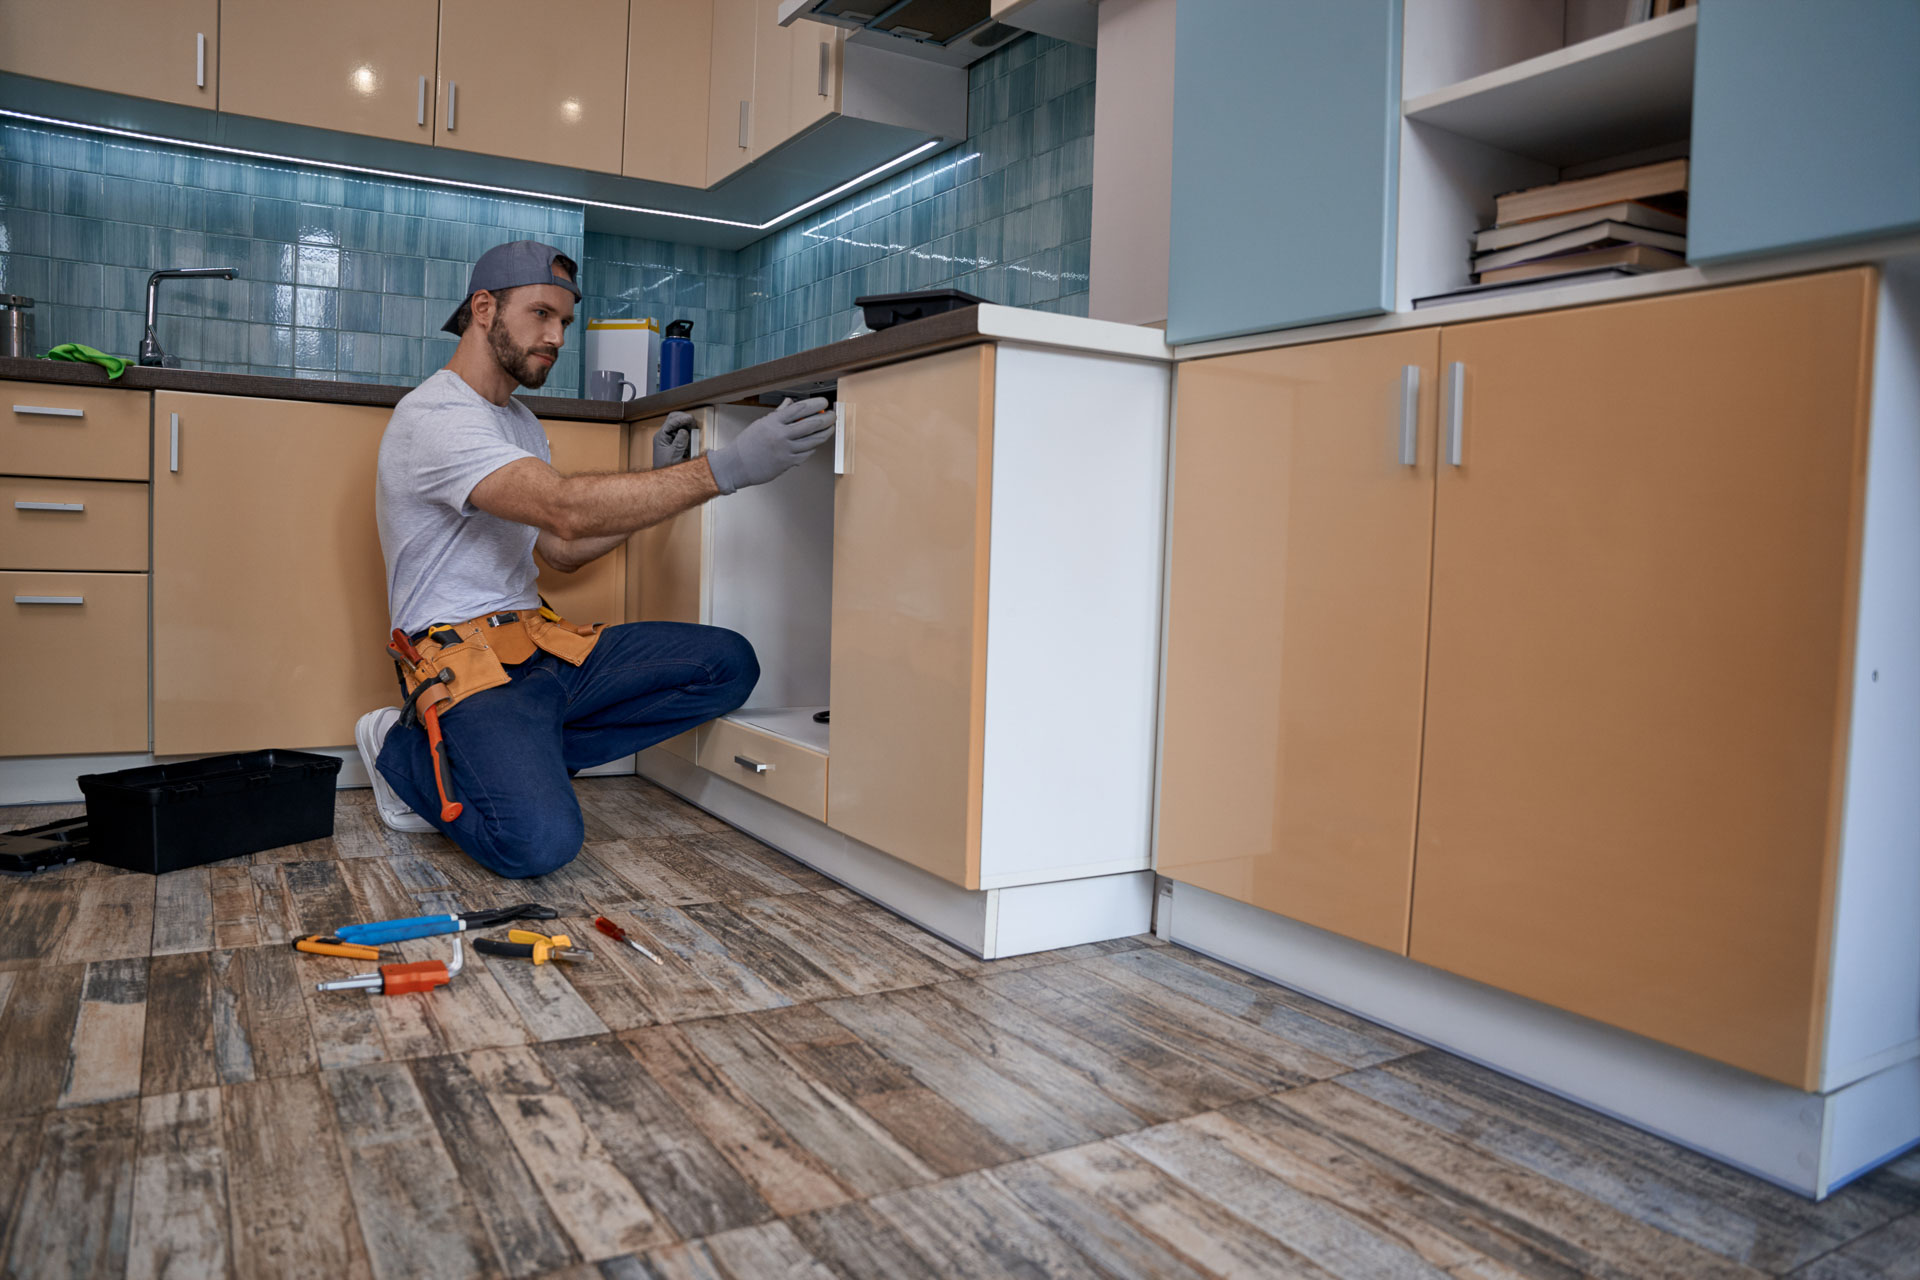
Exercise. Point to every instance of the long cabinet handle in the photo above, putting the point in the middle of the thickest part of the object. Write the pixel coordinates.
(49, 599)
(1410, 415)
(49, 506)
(745, 106)
(826, 67)
(200, 60)
(453, 98)
(1456, 413)
(421, 108)
(49, 411)
(173, 442)
(752, 766)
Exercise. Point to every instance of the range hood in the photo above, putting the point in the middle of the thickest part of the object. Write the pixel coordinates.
(953, 32)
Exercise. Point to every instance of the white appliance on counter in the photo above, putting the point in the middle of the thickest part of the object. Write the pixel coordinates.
(630, 348)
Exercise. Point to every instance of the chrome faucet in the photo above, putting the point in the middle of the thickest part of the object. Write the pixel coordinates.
(150, 353)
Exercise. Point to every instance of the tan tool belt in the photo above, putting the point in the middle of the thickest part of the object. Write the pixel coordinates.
(479, 651)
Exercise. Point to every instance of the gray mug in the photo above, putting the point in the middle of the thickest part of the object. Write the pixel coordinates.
(605, 384)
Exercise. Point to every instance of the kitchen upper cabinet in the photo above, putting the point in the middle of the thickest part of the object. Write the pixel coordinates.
(1286, 144)
(543, 87)
(909, 652)
(815, 53)
(1806, 126)
(163, 49)
(1301, 537)
(730, 87)
(771, 115)
(669, 49)
(269, 588)
(359, 66)
(595, 592)
(1644, 573)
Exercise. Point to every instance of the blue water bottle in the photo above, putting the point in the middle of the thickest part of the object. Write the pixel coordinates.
(676, 355)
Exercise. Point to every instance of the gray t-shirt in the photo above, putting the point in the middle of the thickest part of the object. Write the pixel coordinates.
(447, 560)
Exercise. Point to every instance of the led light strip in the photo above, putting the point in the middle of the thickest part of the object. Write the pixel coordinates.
(395, 175)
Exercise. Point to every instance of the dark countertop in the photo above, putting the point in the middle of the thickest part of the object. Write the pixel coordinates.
(242, 384)
(790, 373)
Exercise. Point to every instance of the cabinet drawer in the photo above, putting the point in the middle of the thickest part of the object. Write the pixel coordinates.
(94, 432)
(794, 775)
(79, 642)
(99, 525)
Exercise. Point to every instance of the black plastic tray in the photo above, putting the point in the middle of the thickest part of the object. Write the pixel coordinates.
(884, 310)
(167, 816)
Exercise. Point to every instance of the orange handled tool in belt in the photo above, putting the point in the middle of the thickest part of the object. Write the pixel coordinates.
(430, 715)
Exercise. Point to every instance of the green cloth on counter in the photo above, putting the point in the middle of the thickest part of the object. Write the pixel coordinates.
(114, 365)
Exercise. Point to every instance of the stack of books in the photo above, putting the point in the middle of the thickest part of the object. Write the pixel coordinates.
(1612, 224)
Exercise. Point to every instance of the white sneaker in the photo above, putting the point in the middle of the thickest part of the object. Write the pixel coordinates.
(370, 734)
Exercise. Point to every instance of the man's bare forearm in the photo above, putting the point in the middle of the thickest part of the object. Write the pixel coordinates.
(615, 504)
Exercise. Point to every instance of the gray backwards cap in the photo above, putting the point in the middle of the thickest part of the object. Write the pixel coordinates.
(510, 265)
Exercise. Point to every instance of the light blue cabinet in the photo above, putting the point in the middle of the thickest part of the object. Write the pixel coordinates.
(1286, 133)
(1806, 124)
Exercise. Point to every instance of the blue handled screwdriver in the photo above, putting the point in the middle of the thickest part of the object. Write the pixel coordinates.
(380, 931)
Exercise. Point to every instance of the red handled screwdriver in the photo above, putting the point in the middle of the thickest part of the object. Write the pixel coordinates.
(618, 934)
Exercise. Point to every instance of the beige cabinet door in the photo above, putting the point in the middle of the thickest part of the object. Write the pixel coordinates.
(269, 589)
(366, 67)
(816, 51)
(548, 86)
(773, 56)
(730, 88)
(164, 49)
(1643, 580)
(1301, 540)
(83, 638)
(597, 592)
(669, 567)
(669, 56)
(909, 660)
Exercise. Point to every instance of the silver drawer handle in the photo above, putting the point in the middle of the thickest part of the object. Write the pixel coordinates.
(1410, 415)
(200, 60)
(420, 110)
(826, 66)
(744, 106)
(49, 506)
(50, 411)
(753, 765)
(453, 100)
(1456, 413)
(49, 599)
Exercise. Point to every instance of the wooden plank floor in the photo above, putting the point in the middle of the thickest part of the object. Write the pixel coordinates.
(809, 1087)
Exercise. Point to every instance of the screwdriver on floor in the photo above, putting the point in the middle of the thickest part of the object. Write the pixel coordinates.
(401, 979)
(618, 934)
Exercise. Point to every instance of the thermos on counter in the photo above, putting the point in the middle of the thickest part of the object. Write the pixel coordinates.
(676, 355)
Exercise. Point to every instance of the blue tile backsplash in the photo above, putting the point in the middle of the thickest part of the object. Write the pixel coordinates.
(349, 278)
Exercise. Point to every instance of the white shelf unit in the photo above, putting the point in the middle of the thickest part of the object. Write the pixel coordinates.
(1495, 97)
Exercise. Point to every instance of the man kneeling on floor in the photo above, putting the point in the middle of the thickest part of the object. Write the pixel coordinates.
(466, 500)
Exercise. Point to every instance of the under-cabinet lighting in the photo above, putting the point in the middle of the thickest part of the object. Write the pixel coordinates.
(397, 176)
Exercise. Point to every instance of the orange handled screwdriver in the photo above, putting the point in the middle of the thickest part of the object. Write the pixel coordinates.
(618, 934)
(402, 979)
(450, 808)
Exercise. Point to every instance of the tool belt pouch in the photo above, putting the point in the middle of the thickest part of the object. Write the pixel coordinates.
(564, 640)
(476, 663)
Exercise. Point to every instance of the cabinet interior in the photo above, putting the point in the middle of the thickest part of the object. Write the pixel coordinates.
(772, 567)
(1500, 95)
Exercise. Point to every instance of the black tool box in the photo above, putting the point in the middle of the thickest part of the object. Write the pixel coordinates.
(167, 816)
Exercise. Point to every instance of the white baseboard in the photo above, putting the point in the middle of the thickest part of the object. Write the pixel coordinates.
(1807, 1142)
(990, 923)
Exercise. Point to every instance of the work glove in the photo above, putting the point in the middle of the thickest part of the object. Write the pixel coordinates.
(772, 445)
(673, 441)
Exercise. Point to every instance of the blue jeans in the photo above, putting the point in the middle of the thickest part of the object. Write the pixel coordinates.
(514, 749)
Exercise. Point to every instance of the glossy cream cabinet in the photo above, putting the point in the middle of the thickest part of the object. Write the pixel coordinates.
(358, 66)
(956, 606)
(168, 50)
(270, 590)
(73, 569)
(1596, 755)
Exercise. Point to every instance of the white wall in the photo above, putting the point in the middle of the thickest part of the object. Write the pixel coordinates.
(1132, 162)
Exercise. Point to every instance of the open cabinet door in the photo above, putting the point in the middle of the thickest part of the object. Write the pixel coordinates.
(909, 651)
(667, 565)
